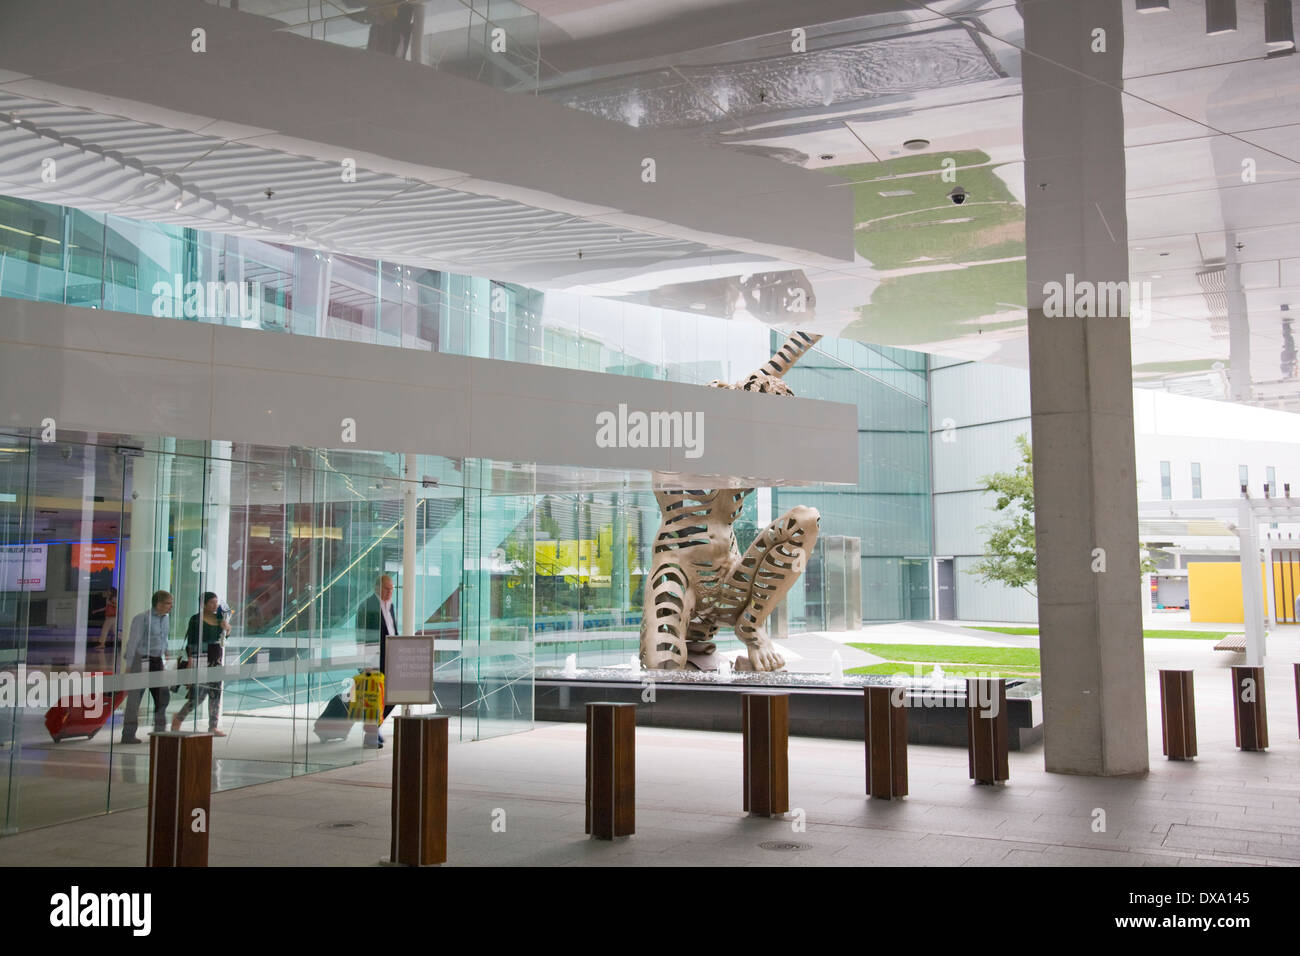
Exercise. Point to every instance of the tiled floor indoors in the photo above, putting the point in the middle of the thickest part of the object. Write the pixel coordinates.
(1225, 808)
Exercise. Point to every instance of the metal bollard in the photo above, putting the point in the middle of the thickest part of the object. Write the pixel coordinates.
(1177, 715)
(765, 720)
(986, 729)
(1249, 717)
(419, 820)
(180, 799)
(611, 770)
(885, 734)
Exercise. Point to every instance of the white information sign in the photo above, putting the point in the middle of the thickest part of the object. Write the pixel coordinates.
(409, 678)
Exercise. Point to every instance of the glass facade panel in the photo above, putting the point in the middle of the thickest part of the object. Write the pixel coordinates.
(292, 541)
(289, 544)
(889, 509)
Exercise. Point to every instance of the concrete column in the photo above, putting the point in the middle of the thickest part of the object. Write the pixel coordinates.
(1094, 699)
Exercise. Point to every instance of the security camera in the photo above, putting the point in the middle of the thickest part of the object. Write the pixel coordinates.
(958, 195)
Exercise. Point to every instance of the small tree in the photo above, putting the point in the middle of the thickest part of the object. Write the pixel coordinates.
(1009, 556)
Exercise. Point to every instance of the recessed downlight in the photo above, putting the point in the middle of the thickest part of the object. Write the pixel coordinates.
(915, 143)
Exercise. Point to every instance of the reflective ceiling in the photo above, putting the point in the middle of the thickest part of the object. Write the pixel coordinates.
(896, 104)
(885, 99)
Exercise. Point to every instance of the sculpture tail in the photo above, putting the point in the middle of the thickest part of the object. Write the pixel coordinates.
(794, 348)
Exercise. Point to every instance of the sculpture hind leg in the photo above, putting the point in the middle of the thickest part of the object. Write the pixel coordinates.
(766, 571)
(669, 606)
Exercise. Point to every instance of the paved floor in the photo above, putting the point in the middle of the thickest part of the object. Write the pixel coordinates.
(1225, 808)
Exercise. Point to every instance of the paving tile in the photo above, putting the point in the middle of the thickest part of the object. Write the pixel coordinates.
(1223, 809)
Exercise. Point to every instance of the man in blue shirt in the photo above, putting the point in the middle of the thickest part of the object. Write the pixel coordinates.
(147, 643)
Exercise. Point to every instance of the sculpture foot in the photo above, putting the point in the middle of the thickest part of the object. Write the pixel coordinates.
(764, 657)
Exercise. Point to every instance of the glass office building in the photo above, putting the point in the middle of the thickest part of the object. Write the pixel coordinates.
(518, 565)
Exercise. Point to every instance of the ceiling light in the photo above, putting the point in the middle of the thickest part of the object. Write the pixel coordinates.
(1278, 31)
(893, 193)
(1157, 275)
(915, 143)
(1220, 17)
(178, 203)
(825, 156)
(1164, 253)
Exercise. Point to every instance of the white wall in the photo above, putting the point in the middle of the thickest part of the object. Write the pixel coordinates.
(976, 412)
(1219, 435)
(981, 409)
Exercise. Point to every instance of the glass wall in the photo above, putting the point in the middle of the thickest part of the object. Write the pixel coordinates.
(291, 543)
(53, 253)
(889, 508)
(510, 573)
(490, 41)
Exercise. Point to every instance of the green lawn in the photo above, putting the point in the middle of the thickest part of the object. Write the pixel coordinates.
(1149, 635)
(954, 654)
(891, 668)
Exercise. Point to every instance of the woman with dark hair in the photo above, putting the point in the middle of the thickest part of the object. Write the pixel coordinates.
(205, 638)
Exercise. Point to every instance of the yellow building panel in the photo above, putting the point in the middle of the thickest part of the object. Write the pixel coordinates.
(1214, 589)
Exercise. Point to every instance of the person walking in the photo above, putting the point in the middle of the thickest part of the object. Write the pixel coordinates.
(110, 619)
(147, 645)
(377, 619)
(205, 640)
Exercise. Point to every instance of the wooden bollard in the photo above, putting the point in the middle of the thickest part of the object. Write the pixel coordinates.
(419, 824)
(180, 799)
(1177, 715)
(986, 729)
(885, 734)
(611, 770)
(1249, 716)
(765, 720)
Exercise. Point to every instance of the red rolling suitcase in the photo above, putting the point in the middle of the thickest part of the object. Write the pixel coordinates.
(72, 718)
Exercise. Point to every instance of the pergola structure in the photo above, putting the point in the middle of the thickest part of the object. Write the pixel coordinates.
(1243, 516)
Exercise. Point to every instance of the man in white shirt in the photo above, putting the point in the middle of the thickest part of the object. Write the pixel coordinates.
(146, 651)
(377, 620)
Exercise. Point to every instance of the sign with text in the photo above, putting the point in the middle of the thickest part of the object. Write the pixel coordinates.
(96, 557)
(409, 678)
(23, 566)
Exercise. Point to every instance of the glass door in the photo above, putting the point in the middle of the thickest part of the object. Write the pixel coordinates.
(60, 501)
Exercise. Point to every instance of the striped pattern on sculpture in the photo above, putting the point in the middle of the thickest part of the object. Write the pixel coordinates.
(700, 581)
